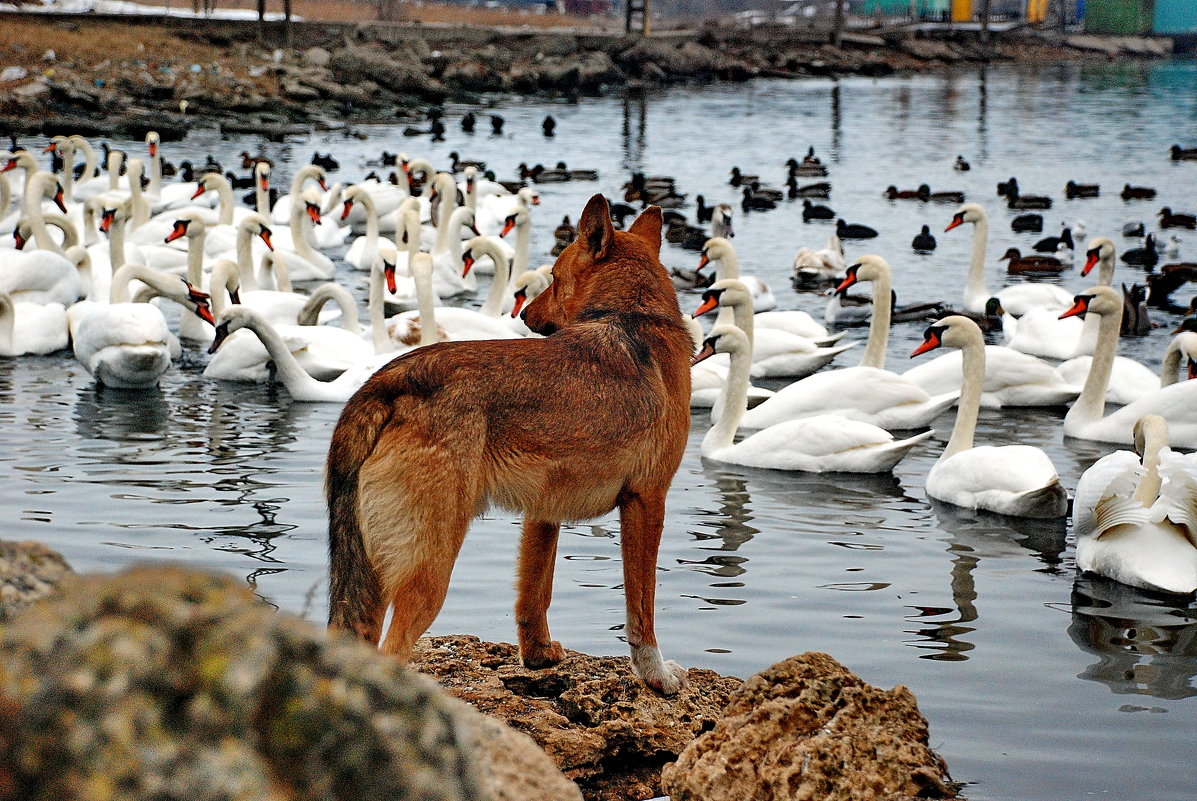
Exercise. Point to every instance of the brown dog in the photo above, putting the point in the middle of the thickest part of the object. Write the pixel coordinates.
(563, 428)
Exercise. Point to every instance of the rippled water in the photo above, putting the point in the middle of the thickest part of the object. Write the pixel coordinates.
(1037, 684)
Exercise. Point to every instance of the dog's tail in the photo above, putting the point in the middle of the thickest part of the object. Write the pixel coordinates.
(354, 592)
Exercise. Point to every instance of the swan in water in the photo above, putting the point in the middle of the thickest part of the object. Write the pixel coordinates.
(823, 443)
(1135, 514)
(774, 353)
(867, 392)
(1016, 480)
(363, 251)
(31, 328)
(1176, 403)
(128, 345)
(1017, 299)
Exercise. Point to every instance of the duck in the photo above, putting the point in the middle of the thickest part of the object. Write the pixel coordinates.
(923, 241)
(960, 165)
(818, 268)
(846, 230)
(1013, 480)
(1027, 223)
(721, 251)
(775, 353)
(1147, 256)
(926, 195)
(1050, 244)
(1170, 219)
(893, 193)
(1017, 299)
(1135, 514)
(867, 392)
(1137, 192)
(819, 189)
(1086, 419)
(738, 178)
(1073, 190)
(816, 211)
(1018, 263)
(1179, 153)
(1136, 322)
(1014, 200)
(753, 201)
(818, 444)
(128, 345)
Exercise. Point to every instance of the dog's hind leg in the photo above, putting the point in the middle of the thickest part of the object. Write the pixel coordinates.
(642, 517)
(538, 552)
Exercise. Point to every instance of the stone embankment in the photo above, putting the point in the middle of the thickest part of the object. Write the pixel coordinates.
(151, 76)
(165, 683)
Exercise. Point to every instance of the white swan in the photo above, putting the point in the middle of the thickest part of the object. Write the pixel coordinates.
(1011, 379)
(323, 352)
(774, 353)
(363, 251)
(1017, 299)
(1176, 403)
(1017, 480)
(281, 213)
(301, 385)
(304, 262)
(31, 328)
(163, 197)
(1181, 353)
(1135, 518)
(719, 250)
(868, 392)
(823, 443)
(128, 345)
(817, 268)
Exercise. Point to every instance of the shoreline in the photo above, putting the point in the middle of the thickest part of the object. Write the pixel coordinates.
(121, 75)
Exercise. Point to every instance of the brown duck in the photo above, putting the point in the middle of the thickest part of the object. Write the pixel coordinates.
(1018, 263)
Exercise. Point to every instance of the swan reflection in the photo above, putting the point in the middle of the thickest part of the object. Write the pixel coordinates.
(1145, 644)
(944, 632)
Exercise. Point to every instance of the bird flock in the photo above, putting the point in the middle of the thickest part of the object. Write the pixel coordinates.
(87, 245)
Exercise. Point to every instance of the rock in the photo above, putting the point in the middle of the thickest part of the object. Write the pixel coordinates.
(299, 91)
(807, 728)
(513, 765)
(29, 571)
(406, 76)
(601, 726)
(596, 69)
(316, 57)
(160, 683)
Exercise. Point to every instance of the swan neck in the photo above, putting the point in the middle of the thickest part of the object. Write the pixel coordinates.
(975, 287)
(7, 324)
(5, 194)
(1091, 404)
(301, 228)
(742, 318)
(1170, 368)
(68, 173)
(116, 242)
(225, 191)
(1154, 442)
(35, 190)
(493, 307)
(878, 341)
(969, 405)
(245, 259)
(523, 245)
(422, 275)
(294, 377)
(223, 283)
(377, 309)
(734, 401)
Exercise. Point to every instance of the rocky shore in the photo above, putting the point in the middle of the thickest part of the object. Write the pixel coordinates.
(164, 683)
(149, 76)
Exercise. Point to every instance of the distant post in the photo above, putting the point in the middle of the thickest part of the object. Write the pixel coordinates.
(837, 26)
(984, 20)
(631, 8)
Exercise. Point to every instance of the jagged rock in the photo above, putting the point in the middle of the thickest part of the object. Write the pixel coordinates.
(316, 57)
(160, 683)
(553, 45)
(29, 571)
(602, 727)
(406, 76)
(472, 75)
(665, 56)
(596, 69)
(560, 74)
(926, 49)
(807, 728)
(299, 91)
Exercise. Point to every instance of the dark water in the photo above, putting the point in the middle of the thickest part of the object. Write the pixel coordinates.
(1037, 684)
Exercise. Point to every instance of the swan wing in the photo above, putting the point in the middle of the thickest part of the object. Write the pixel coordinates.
(1178, 494)
(1115, 474)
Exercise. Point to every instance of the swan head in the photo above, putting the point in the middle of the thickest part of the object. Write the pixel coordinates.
(953, 331)
(1100, 249)
(261, 173)
(111, 215)
(869, 267)
(350, 196)
(518, 218)
(152, 141)
(723, 339)
(189, 224)
(210, 182)
(1150, 432)
(256, 225)
(529, 196)
(234, 318)
(714, 249)
(728, 292)
(1100, 300)
(968, 213)
(529, 285)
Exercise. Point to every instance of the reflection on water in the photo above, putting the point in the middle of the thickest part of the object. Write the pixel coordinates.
(1145, 643)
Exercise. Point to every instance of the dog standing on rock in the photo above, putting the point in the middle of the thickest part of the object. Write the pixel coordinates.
(592, 417)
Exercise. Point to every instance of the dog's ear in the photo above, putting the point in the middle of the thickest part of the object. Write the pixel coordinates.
(594, 228)
(648, 227)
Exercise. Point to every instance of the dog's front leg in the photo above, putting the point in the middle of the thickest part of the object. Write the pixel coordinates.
(538, 553)
(642, 517)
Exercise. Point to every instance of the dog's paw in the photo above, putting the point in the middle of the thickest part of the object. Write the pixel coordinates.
(543, 655)
(664, 677)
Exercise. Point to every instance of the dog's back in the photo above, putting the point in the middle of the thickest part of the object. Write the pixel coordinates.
(562, 428)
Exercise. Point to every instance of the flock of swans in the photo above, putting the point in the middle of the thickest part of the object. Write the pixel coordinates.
(231, 269)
